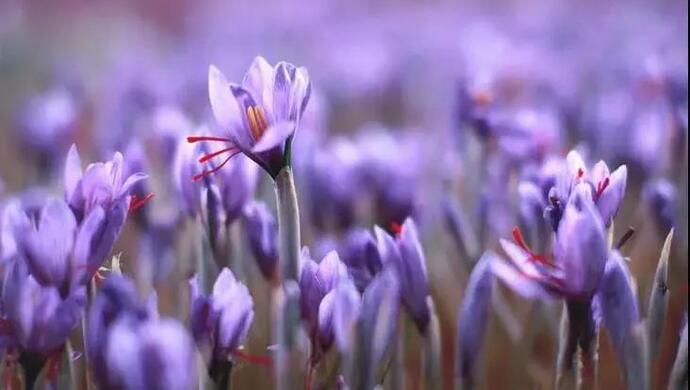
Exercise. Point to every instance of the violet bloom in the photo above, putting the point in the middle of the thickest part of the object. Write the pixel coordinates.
(607, 188)
(101, 185)
(339, 313)
(149, 355)
(261, 230)
(40, 317)
(260, 116)
(237, 186)
(315, 282)
(660, 198)
(618, 305)
(117, 298)
(579, 255)
(360, 254)
(221, 321)
(404, 254)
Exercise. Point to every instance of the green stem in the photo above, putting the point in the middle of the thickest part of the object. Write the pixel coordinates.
(32, 365)
(220, 371)
(288, 223)
(432, 352)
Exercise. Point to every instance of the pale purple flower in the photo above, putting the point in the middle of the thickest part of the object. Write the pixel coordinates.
(261, 230)
(660, 198)
(579, 255)
(338, 314)
(359, 251)
(237, 186)
(607, 188)
(260, 116)
(404, 254)
(149, 355)
(57, 251)
(315, 282)
(41, 318)
(618, 304)
(221, 321)
(474, 315)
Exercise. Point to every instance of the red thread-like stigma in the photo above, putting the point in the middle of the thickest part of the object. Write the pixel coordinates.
(601, 186)
(193, 139)
(265, 361)
(137, 203)
(537, 258)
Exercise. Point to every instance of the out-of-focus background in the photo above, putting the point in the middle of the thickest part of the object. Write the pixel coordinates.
(403, 81)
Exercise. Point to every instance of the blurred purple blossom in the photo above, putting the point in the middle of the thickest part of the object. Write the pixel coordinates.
(339, 313)
(659, 196)
(404, 254)
(261, 230)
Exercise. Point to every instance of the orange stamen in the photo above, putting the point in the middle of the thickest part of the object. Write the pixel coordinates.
(257, 121)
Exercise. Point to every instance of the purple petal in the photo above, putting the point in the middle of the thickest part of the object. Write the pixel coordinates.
(274, 136)
(72, 176)
(223, 103)
(258, 81)
(611, 197)
(83, 243)
(518, 282)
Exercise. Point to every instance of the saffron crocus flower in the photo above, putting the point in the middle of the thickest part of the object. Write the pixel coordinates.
(117, 298)
(56, 250)
(404, 254)
(221, 321)
(618, 305)
(360, 254)
(101, 185)
(659, 196)
(338, 314)
(474, 317)
(259, 116)
(149, 354)
(237, 186)
(261, 230)
(315, 281)
(607, 188)
(579, 256)
(40, 317)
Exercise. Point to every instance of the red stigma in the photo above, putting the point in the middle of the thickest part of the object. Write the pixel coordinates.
(601, 186)
(537, 258)
(396, 228)
(580, 173)
(193, 139)
(53, 365)
(137, 203)
(265, 361)
(211, 171)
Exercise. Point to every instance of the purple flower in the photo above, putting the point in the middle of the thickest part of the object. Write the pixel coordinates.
(56, 250)
(528, 133)
(116, 299)
(221, 321)
(404, 254)
(237, 186)
(618, 304)
(261, 230)
(579, 255)
(338, 314)
(260, 116)
(149, 354)
(607, 188)
(474, 315)
(660, 198)
(315, 282)
(101, 185)
(41, 318)
(360, 254)
(192, 195)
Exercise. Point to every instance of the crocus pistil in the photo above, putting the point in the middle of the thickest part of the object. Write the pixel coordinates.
(230, 150)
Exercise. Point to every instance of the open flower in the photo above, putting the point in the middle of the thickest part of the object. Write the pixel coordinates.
(220, 322)
(259, 116)
(579, 257)
(607, 188)
(40, 318)
(404, 254)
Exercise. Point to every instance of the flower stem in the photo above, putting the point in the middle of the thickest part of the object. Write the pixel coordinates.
(432, 352)
(220, 372)
(288, 223)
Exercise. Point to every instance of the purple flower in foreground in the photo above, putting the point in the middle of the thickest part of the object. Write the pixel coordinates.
(338, 314)
(40, 318)
(101, 185)
(404, 254)
(116, 299)
(315, 282)
(221, 321)
(607, 188)
(261, 230)
(149, 355)
(474, 315)
(618, 304)
(579, 258)
(56, 250)
(260, 116)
